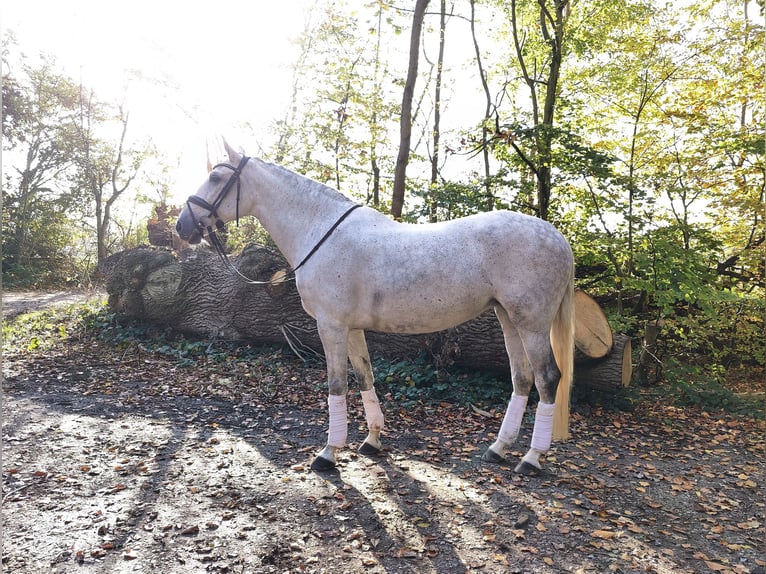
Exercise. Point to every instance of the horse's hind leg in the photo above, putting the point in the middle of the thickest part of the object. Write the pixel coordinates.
(335, 343)
(360, 360)
(523, 378)
(547, 376)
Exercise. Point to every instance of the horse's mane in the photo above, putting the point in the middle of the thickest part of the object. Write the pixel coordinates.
(309, 185)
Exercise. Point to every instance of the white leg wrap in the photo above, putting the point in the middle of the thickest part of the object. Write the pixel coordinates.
(372, 410)
(338, 431)
(512, 420)
(543, 431)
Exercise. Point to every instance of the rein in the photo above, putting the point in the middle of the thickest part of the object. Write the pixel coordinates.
(216, 242)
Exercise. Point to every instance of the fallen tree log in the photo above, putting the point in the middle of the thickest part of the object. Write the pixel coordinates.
(611, 372)
(194, 293)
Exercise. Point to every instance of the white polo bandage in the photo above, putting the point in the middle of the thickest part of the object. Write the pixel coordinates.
(509, 430)
(541, 435)
(372, 410)
(338, 429)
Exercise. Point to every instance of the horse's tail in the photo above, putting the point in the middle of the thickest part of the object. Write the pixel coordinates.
(562, 342)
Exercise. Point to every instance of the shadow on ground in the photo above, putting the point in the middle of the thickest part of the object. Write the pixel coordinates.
(110, 469)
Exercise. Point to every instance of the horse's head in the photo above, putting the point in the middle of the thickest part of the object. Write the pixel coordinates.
(214, 204)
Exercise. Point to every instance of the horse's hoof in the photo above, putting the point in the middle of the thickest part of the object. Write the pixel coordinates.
(368, 450)
(526, 469)
(492, 457)
(321, 464)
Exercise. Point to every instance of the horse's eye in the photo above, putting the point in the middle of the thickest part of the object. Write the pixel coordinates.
(214, 177)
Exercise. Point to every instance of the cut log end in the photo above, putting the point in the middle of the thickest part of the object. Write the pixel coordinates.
(593, 335)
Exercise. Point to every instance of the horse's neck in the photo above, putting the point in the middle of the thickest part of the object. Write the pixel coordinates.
(295, 210)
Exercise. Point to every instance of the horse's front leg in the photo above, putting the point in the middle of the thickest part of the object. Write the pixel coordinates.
(335, 343)
(360, 360)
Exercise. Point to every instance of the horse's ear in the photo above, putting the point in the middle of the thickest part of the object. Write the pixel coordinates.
(234, 156)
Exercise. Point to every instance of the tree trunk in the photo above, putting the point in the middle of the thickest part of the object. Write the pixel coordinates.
(649, 366)
(196, 294)
(545, 138)
(405, 126)
(552, 27)
(433, 207)
(487, 112)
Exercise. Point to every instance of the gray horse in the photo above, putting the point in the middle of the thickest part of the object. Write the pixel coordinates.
(357, 269)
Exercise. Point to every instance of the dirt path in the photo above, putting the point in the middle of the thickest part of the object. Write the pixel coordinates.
(119, 461)
(17, 302)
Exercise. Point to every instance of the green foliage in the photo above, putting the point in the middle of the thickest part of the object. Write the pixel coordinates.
(451, 200)
(183, 351)
(41, 330)
(728, 332)
(703, 386)
(672, 273)
(69, 161)
(343, 110)
(36, 220)
(420, 381)
(248, 231)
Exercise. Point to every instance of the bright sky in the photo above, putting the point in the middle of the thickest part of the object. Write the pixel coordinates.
(231, 65)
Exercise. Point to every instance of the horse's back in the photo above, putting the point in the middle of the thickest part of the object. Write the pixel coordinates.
(494, 244)
(396, 277)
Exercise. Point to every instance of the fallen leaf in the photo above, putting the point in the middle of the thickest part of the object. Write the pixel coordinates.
(522, 521)
(750, 525)
(405, 552)
(130, 554)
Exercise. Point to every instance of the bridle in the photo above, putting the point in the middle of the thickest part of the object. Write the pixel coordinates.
(213, 207)
(216, 242)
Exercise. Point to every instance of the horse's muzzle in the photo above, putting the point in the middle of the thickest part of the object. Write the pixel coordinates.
(187, 228)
